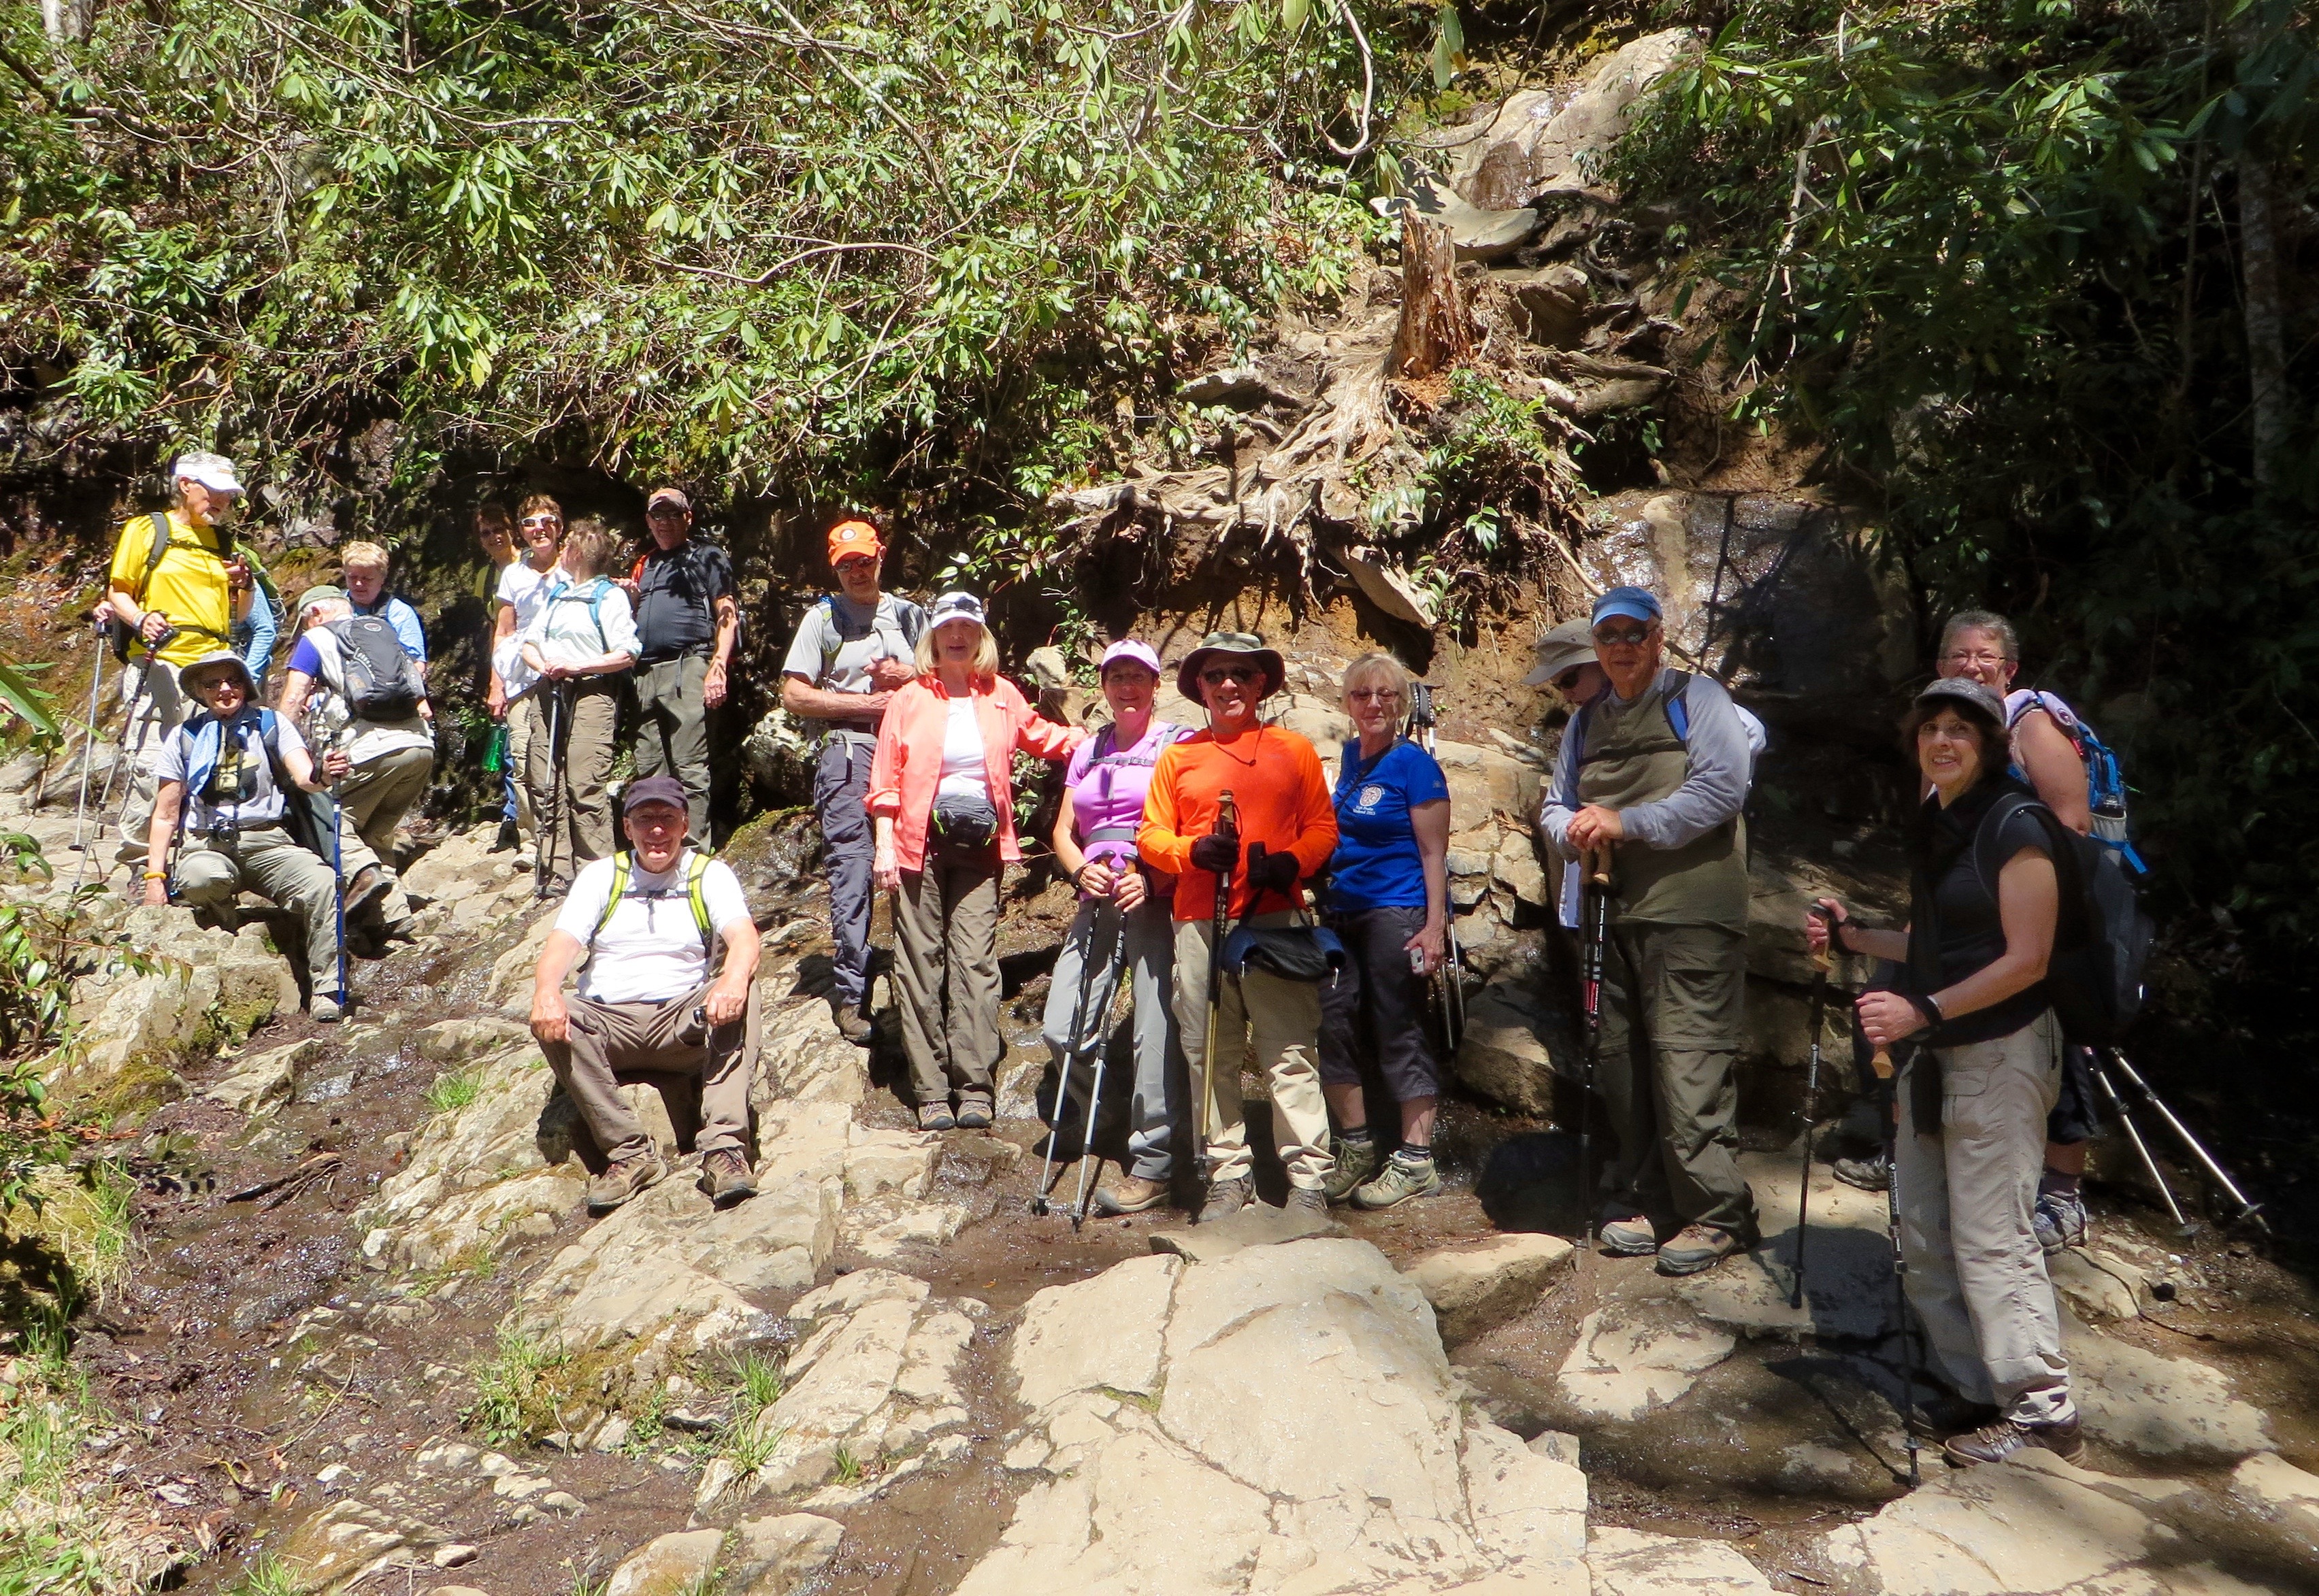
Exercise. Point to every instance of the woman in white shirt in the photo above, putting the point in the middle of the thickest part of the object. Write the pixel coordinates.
(521, 588)
(580, 643)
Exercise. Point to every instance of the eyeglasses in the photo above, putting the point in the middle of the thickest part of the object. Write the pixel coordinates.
(1632, 638)
(667, 511)
(542, 521)
(1243, 674)
(1974, 659)
(1373, 695)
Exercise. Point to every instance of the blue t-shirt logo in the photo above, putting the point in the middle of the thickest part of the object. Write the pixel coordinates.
(1371, 796)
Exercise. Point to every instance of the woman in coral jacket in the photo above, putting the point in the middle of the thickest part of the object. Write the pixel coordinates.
(942, 798)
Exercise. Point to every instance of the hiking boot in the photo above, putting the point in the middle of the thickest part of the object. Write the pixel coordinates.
(1871, 1174)
(1994, 1443)
(1356, 1162)
(1629, 1237)
(507, 839)
(365, 892)
(2060, 1220)
(852, 1026)
(326, 1010)
(973, 1112)
(1945, 1414)
(724, 1177)
(1225, 1198)
(623, 1180)
(1129, 1194)
(1696, 1249)
(1401, 1179)
(936, 1116)
(1305, 1199)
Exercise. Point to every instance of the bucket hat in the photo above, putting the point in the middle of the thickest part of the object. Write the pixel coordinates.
(219, 662)
(1964, 693)
(1565, 648)
(1244, 645)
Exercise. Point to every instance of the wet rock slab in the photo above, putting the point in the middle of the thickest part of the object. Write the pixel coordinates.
(1259, 1224)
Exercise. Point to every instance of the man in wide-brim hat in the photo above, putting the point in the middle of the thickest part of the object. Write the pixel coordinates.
(1286, 830)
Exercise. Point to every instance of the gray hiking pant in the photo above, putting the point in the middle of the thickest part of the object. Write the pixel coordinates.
(702, 1076)
(1966, 1188)
(1086, 971)
(946, 964)
(574, 814)
(375, 795)
(673, 739)
(1672, 1002)
(211, 871)
(841, 799)
(159, 708)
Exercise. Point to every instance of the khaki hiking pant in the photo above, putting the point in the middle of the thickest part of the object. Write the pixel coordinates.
(673, 739)
(575, 816)
(519, 754)
(1966, 1190)
(702, 1076)
(374, 796)
(212, 871)
(160, 708)
(1282, 1019)
(1672, 1002)
(946, 966)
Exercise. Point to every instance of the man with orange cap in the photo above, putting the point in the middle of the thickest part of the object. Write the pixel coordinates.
(852, 650)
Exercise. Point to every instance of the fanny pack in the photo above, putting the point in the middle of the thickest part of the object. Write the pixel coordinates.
(965, 822)
(1300, 952)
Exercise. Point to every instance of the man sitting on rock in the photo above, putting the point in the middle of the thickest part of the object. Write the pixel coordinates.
(652, 923)
(223, 774)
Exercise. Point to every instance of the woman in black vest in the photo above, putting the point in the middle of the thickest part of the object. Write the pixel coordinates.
(1984, 903)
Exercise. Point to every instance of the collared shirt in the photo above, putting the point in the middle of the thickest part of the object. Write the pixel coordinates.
(649, 950)
(402, 619)
(579, 623)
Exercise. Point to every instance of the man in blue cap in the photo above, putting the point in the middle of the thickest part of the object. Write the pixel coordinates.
(1654, 771)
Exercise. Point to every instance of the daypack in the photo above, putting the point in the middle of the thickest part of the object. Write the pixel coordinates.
(157, 546)
(910, 623)
(2104, 783)
(598, 586)
(624, 871)
(2101, 941)
(381, 683)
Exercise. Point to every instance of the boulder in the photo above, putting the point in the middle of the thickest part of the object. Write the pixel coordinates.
(265, 1081)
(1504, 1054)
(774, 1555)
(2284, 1498)
(2156, 1406)
(801, 1055)
(675, 1564)
(1545, 143)
(1259, 1224)
(1632, 1562)
(1478, 1286)
(1102, 1334)
(1632, 1357)
(1476, 233)
(1552, 299)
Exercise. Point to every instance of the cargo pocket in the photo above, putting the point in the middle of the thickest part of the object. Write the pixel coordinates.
(1702, 986)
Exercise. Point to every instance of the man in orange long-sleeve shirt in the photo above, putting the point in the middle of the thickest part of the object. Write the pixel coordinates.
(1287, 828)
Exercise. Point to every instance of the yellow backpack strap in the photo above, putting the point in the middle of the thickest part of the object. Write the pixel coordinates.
(698, 898)
(619, 885)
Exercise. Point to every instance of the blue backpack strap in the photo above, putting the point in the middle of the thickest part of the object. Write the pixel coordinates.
(1678, 708)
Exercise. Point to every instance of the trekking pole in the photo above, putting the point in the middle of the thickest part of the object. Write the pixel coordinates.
(2140, 1148)
(137, 696)
(551, 833)
(338, 879)
(1820, 961)
(1883, 1065)
(2215, 1171)
(1227, 826)
(1039, 1205)
(87, 755)
(1596, 863)
(1089, 1159)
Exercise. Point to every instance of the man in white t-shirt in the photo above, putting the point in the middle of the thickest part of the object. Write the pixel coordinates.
(378, 768)
(851, 651)
(653, 1002)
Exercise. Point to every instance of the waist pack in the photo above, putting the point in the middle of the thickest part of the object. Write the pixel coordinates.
(1302, 952)
(965, 823)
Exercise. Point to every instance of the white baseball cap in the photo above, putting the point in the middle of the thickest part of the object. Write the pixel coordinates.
(952, 607)
(214, 471)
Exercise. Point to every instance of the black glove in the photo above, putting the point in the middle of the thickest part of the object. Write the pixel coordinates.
(1268, 871)
(1217, 852)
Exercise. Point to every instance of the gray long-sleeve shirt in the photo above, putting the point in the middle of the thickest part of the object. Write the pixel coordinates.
(1723, 744)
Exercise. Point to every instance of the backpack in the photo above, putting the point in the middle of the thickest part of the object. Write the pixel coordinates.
(598, 587)
(311, 818)
(157, 544)
(910, 622)
(380, 682)
(2105, 782)
(624, 871)
(2101, 941)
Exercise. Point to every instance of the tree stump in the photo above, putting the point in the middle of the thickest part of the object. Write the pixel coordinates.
(1436, 330)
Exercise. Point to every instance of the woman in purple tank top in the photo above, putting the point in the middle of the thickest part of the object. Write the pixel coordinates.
(1122, 926)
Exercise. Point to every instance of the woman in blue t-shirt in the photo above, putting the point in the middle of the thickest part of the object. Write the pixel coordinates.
(1389, 902)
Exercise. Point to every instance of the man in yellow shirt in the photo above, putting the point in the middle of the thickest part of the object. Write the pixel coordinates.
(179, 608)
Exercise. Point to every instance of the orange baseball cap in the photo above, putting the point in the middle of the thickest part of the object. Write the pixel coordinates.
(853, 536)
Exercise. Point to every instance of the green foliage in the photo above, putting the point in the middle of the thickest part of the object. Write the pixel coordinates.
(35, 707)
(844, 1468)
(736, 238)
(449, 1093)
(516, 1391)
(266, 1574)
(759, 1381)
(51, 1531)
(1994, 254)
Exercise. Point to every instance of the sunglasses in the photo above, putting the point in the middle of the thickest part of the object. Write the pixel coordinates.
(856, 562)
(1243, 674)
(672, 511)
(541, 521)
(1567, 682)
(1632, 638)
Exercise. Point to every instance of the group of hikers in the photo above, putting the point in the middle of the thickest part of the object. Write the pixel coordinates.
(1256, 909)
